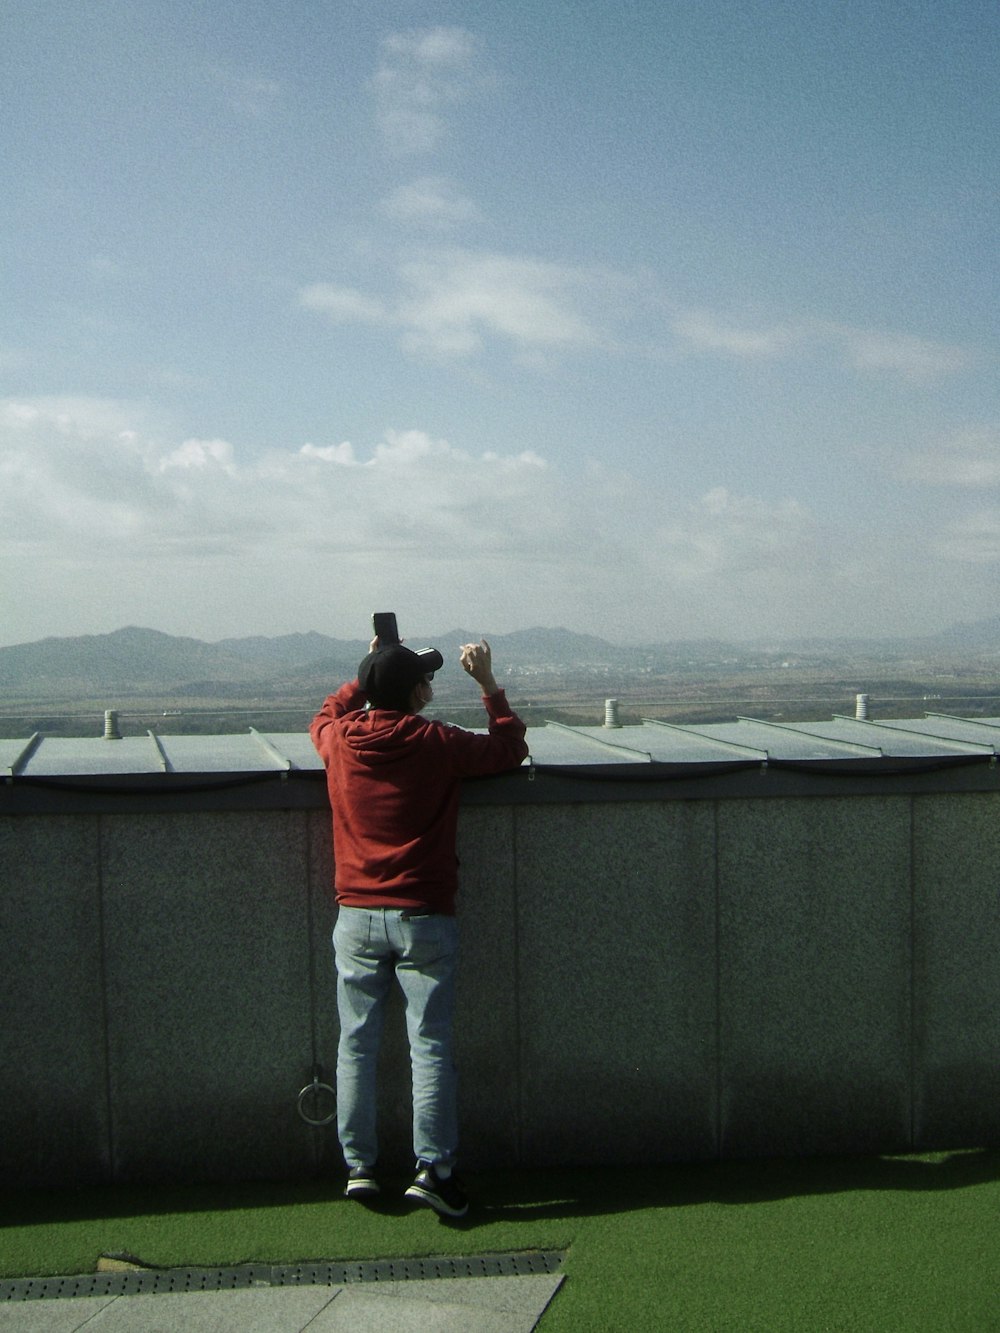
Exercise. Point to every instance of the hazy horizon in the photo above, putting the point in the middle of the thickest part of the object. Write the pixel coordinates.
(431, 633)
(659, 322)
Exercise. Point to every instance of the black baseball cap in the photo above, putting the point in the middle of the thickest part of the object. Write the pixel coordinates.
(388, 675)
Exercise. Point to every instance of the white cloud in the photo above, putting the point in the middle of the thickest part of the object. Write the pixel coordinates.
(971, 540)
(72, 470)
(331, 453)
(197, 536)
(713, 333)
(462, 295)
(249, 95)
(433, 202)
(903, 354)
(969, 458)
(732, 565)
(433, 48)
(448, 302)
(82, 417)
(201, 454)
(421, 76)
(414, 489)
(343, 305)
(735, 537)
(411, 446)
(869, 350)
(77, 471)
(411, 516)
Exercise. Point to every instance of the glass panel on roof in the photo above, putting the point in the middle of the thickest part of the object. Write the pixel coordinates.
(238, 753)
(65, 756)
(959, 729)
(676, 744)
(891, 740)
(296, 746)
(556, 744)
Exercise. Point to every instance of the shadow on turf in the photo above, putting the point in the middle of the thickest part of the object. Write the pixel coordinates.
(533, 1195)
(580, 1193)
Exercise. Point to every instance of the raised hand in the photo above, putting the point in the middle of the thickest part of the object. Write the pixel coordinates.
(477, 661)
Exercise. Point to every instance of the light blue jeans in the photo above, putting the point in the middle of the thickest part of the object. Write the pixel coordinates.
(370, 947)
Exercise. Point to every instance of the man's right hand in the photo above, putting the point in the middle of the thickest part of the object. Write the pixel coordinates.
(477, 660)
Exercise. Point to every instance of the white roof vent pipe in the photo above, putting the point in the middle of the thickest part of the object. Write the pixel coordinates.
(611, 713)
(861, 708)
(111, 732)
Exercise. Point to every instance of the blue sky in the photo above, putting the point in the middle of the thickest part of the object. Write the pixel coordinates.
(654, 320)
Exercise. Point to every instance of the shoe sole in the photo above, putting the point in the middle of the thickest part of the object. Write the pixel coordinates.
(435, 1201)
(360, 1191)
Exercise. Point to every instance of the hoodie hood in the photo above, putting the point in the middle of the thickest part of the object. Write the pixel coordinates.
(381, 735)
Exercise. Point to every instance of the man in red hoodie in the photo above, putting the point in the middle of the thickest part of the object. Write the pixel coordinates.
(393, 779)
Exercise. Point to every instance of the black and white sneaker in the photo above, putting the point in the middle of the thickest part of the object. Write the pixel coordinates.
(444, 1195)
(361, 1183)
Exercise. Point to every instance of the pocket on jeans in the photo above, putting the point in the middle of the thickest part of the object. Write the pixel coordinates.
(352, 931)
(433, 935)
(424, 928)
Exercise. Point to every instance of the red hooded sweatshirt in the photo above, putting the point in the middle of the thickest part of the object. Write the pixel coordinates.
(394, 780)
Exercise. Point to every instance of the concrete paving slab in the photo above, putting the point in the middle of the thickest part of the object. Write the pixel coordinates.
(251, 1310)
(51, 1316)
(462, 1305)
(361, 1313)
(451, 1305)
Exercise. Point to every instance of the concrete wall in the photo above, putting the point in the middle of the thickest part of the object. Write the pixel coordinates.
(643, 980)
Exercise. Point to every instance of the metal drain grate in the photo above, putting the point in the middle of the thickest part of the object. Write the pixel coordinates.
(160, 1281)
(522, 1264)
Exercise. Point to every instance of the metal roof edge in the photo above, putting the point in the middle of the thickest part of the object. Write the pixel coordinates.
(27, 750)
(272, 751)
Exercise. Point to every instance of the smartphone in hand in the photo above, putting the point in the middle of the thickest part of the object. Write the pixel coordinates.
(384, 625)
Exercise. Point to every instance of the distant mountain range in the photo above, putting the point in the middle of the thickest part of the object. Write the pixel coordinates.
(137, 663)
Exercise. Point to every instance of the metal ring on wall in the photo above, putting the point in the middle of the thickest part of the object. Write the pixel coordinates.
(316, 1088)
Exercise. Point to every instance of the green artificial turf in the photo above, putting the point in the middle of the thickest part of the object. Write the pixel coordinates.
(903, 1243)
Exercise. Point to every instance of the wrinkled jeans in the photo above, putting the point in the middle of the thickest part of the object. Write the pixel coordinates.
(370, 946)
